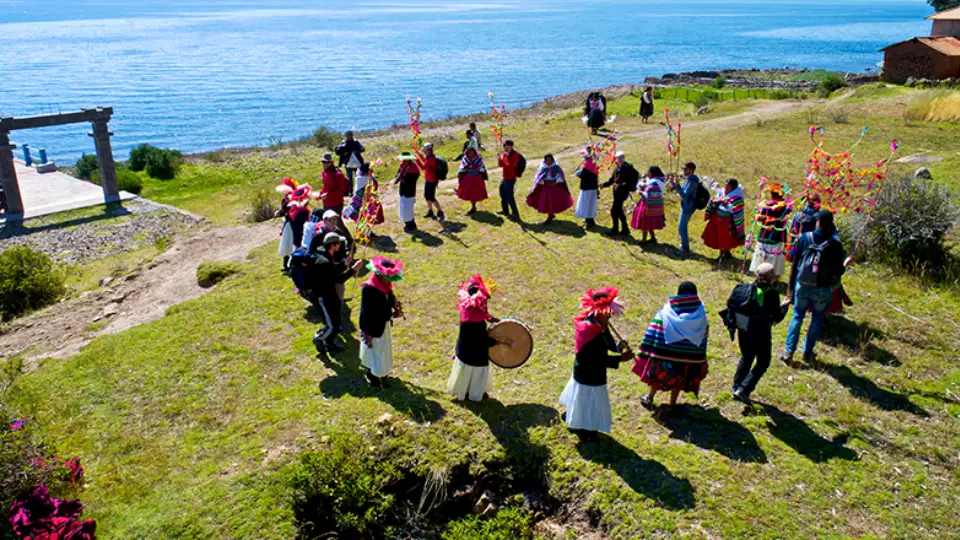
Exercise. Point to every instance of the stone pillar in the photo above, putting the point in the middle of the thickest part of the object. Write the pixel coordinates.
(8, 177)
(108, 169)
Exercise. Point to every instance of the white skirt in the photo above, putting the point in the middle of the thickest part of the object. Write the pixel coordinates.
(776, 259)
(469, 380)
(586, 205)
(286, 241)
(406, 209)
(378, 357)
(588, 407)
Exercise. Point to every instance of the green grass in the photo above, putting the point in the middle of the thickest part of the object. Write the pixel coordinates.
(187, 426)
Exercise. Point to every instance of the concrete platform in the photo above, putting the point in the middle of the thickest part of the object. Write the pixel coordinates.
(54, 192)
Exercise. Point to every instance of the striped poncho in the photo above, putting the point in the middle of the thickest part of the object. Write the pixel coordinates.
(678, 333)
(730, 207)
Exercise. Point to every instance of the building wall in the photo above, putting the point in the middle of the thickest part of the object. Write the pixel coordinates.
(910, 59)
(945, 28)
(948, 67)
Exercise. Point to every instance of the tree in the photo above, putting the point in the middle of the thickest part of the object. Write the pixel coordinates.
(941, 5)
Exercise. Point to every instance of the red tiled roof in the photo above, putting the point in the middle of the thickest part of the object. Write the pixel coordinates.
(946, 15)
(947, 45)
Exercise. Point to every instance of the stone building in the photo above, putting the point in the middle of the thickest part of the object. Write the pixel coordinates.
(934, 57)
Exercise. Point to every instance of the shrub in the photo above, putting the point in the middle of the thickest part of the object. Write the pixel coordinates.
(127, 180)
(139, 156)
(326, 138)
(830, 84)
(28, 281)
(839, 115)
(507, 524)
(262, 207)
(87, 166)
(779, 94)
(812, 115)
(160, 163)
(935, 106)
(209, 273)
(719, 82)
(702, 101)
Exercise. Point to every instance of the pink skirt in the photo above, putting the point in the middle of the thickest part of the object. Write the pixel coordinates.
(550, 198)
(472, 188)
(641, 222)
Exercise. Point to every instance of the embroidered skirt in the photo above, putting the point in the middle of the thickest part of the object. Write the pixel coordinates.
(648, 216)
(588, 407)
(286, 241)
(472, 381)
(718, 234)
(406, 209)
(472, 188)
(768, 254)
(378, 357)
(550, 198)
(666, 375)
(586, 204)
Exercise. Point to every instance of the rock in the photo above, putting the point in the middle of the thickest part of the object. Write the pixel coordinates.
(923, 173)
(105, 280)
(920, 158)
(385, 419)
(703, 110)
(110, 310)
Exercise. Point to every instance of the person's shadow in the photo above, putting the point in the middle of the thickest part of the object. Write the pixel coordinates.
(710, 430)
(646, 477)
(857, 338)
(349, 379)
(383, 243)
(510, 424)
(796, 434)
(561, 227)
(427, 239)
(864, 389)
(488, 218)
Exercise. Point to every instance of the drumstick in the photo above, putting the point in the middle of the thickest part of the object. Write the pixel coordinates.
(617, 335)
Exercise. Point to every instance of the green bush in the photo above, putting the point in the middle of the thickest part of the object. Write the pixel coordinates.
(507, 524)
(139, 156)
(262, 206)
(28, 281)
(87, 166)
(127, 180)
(701, 101)
(830, 84)
(326, 138)
(209, 273)
(719, 82)
(160, 163)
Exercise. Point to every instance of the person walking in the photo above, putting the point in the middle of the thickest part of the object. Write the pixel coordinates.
(350, 152)
(818, 264)
(428, 164)
(589, 175)
(648, 216)
(550, 194)
(509, 161)
(624, 181)
(335, 185)
(646, 105)
(325, 274)
(407, 175)
(725, 227)
(688, 204)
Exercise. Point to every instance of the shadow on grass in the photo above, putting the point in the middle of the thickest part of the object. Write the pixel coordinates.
(644, 476)
(857, 338)
(710, 430)
(561, 227)
(488, 218)
(425, 238)
(864, 389)
(13, 229)
(383, 243)
(453, 227)
(796, 434)
(349, 379)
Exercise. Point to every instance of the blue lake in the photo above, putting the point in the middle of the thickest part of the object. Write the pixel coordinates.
(237, 73)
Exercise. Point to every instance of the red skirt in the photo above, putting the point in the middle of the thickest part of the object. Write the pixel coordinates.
(550, 198)
(642, 222)
(663, 375)
(718, 234)
(472, 188)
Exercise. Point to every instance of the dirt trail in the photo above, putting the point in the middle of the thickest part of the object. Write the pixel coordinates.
(143, 296)
(146, 294)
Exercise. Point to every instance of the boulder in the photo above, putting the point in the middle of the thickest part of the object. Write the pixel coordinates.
(923, 173)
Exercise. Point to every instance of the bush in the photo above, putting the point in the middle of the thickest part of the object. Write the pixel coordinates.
(87, 166)
(719, 82)
(262, 207)
(326, 138)
(702, 101)
(127, 180)
(839, 115)
(935, 106)
(139, 156)
(209, 273)
(28, 281)
(160, 163)
(507, 524)
(909, 224)
(830, 84)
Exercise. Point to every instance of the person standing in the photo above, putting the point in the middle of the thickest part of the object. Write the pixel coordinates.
(293, 209)
(752, 311)
(470, 375)
(475, 133)
(365, 177)
(509, 161)
(818, 264)
(325, 274)
(350, 152)
(725, 230)
(472, 178)
(314, 233)
(688, 205)
(471, 142)
(595, 111)
(585, 396)
(673, 355)
(407, 175)
(624, 181)
(550, 194)
(335, 185)
(589, 175)
(378, 308)
(771, 220)
(646, 105)
(648, 216)
(428, 164)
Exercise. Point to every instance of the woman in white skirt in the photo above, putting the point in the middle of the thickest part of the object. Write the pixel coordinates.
(585, 396)
(470, 376)
(589, 175)
(378, 307)
(293, 209)
(407, 176)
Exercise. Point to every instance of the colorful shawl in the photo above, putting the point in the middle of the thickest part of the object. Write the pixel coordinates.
(652, 194)
(730, 205)
(472, 166)
(771, 221)
(549, 172)
(682, 319)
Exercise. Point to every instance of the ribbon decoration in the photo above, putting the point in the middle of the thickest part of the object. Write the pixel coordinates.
(414, 114)
(369, 210)
(842, 185)
(498, 115)
(604, 151)
(766, 217)
(673, 143)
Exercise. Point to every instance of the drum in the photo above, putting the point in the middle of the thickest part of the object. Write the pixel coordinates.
(515, 355)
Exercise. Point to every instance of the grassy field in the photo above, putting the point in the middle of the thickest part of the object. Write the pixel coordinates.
(191, 426)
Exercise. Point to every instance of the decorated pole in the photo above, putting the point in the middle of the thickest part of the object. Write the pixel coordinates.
(498, 115)
(414, 115)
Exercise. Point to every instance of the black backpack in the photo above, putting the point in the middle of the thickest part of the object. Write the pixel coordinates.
(814, 264)
(300, 266)
(702, 198)
(442, 168)
(521, 165)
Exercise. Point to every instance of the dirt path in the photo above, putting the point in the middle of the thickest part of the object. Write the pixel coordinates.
(143, 296)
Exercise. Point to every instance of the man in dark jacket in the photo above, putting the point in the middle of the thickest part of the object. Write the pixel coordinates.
(350, 147)
(753, 310)
(325, 275)
(624, 181)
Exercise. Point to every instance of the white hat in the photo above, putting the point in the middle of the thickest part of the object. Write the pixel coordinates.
(620, 154)
(333, 238)
(330, 214)
(428, 145)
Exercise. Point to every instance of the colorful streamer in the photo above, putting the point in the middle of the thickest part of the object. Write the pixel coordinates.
(498, 115)
(369, 210)
(673, 142)
(843, 186)
(604, 151)
(414, 114)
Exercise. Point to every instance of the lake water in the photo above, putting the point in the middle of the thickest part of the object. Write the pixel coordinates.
(238, 73)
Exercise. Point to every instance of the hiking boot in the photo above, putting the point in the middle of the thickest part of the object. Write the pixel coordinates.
(646, 402)
(787, 358)
(440, 215)
(612, 233)
(319, 344)
(335, 347)
(590, 223)
(742, 396)
(810, 358)
(373, 379)
(471, 211)
(429, 215)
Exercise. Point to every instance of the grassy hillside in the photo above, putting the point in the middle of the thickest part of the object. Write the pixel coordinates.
(191, 426)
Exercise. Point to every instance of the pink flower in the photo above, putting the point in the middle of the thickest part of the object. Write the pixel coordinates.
(18, 425)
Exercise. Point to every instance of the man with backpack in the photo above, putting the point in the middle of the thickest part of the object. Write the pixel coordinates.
(323, 276)
(624, 181)
(513, 165)
(693, 197)
(434, 169)
(350, 152)
(818, 264)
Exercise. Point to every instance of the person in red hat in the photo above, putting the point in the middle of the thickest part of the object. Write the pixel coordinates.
(471, 375)
(293, 209)
(378, 307)
(585, 396)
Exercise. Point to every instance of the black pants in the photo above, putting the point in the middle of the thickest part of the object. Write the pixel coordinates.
(619, 217)
(331, 311)
(755, 344)
(508, 201)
